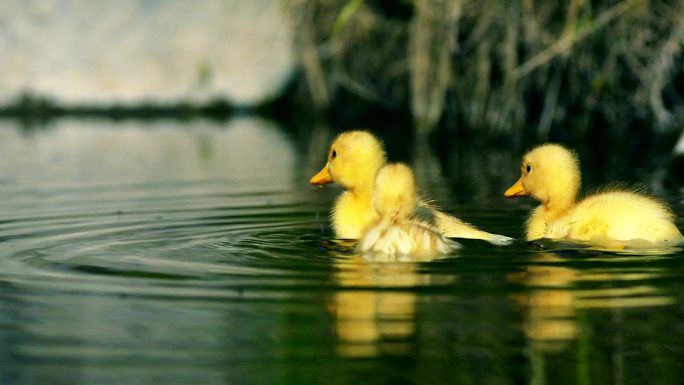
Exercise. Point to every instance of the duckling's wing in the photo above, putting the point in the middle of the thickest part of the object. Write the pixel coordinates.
(453, 227)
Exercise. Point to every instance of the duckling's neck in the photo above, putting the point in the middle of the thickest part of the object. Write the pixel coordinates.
(554, 208)
(362, 193)
(363, 186)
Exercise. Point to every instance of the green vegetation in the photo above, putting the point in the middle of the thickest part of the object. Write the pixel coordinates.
(498, 66)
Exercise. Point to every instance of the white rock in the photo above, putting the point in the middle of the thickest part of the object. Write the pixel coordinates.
(128, 51)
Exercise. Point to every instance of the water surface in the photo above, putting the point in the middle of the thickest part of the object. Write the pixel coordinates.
(195, 252)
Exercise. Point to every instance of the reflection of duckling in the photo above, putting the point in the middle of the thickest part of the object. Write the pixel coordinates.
(550, 173)
(396, 232)
(353, 160)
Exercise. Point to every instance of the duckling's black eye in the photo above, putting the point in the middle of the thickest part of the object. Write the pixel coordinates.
(529, 168)
(334, 154)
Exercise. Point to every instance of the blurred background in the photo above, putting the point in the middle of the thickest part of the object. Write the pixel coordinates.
(69, 56)
(525, 70)
(606, 78)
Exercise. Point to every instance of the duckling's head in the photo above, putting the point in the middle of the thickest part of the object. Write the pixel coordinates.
(394, 192)
(549, 172)
(353, 160)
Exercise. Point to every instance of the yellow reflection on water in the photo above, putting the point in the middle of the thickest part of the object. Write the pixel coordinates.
(550, 306)
(552, 299)
(375, 312)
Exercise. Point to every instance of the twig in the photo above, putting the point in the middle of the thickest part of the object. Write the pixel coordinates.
(570, 38)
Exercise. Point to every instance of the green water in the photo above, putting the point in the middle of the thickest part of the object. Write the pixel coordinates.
(196, 253)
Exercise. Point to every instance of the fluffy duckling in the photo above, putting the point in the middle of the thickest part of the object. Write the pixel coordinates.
(613, 218)
(353, 160)
(396, 231)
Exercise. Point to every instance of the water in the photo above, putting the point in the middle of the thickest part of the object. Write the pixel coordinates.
(195, 252)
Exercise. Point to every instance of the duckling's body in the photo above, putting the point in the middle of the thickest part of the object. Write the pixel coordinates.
(618, 216)
(353, 160)
(353, 211)
(550, 174)
(397, 232)
(406, 238)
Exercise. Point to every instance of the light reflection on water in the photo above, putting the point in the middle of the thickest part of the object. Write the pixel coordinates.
(556, 292)
(195, 252)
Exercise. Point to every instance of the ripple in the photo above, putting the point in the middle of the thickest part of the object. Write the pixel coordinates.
(198, 232)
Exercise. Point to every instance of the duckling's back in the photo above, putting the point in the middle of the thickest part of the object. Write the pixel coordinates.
(394, 192)
(621, 216)
(397, 232)
(406, 238)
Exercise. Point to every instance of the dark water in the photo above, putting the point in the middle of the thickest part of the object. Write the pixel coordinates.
(196, 253)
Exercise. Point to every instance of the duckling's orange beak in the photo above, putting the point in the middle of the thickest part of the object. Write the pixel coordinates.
(323, 177)
(517, 190)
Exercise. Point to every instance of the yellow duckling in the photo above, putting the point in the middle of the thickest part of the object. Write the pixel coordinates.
(353, 160)
(396, 231)
(550, 174)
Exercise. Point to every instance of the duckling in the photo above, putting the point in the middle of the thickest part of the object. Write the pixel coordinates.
(353, 160)
(396, 232)
(614, 218)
